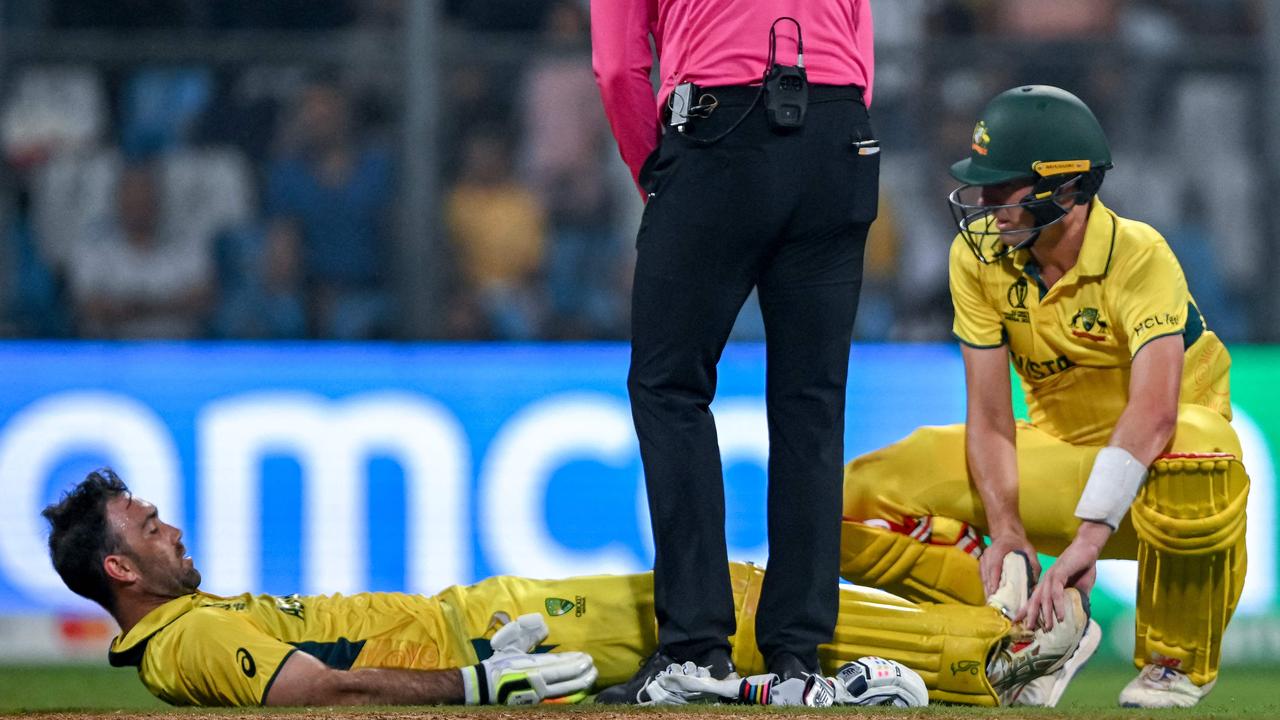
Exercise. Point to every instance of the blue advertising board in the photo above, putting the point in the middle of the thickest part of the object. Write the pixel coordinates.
(324, 468)
(319, 468)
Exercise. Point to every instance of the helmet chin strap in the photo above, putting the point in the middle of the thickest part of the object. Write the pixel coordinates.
(1031, 240)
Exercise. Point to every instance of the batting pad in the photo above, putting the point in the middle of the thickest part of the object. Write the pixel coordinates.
(904, 566)
(1190, 523)
(948, 645)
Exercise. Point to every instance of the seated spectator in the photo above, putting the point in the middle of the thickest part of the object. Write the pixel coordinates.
(498, 229)
(328, 202)
(133, 278)
(257, 296)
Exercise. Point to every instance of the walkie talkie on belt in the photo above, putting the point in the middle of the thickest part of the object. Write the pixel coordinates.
(786, 87)
(785, 91)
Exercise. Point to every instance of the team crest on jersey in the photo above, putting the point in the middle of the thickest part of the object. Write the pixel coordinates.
(558, 606)
(561, 606)
(981, 138)
(1085, 321)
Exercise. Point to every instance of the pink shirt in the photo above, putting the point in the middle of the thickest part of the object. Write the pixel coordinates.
(716, 42)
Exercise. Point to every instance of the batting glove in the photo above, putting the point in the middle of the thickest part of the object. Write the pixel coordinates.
(514, 676)
(876, 681)
(679, 685)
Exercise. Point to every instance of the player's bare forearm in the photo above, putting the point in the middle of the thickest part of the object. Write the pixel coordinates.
(993, 465)
(304, 680)
(1151, 415)
(991, 451)
(989, 437)
(1093, 535)
(385, 686)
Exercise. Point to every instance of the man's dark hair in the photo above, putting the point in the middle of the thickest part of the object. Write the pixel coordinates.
(79, 537)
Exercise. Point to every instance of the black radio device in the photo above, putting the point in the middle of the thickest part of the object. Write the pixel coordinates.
(785, 91)
(786, 87)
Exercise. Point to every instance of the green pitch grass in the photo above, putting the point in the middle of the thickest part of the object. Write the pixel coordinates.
(1242, 692)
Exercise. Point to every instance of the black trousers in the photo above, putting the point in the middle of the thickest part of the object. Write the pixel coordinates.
(786, 213)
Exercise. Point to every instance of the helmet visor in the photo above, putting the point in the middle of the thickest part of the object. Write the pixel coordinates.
(976, 221)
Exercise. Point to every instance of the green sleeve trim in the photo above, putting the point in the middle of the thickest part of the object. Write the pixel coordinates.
(1149, 340)
(340, 654)
(1194, 326)
(976, 346)
(274, 675)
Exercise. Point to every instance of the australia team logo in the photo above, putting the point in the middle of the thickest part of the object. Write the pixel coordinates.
(558, 606)
(981, 138)
(1085, 322)
(562, 606)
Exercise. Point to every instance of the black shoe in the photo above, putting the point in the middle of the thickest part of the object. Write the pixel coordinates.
(717, 660)
(632, 692)
(787, 665)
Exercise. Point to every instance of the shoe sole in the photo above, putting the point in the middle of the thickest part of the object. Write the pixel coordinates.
(1089, 645)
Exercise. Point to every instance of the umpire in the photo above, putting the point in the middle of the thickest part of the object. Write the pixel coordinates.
(760, 170)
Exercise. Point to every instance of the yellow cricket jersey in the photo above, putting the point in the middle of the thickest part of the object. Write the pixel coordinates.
(203, 649)
(1073, 344)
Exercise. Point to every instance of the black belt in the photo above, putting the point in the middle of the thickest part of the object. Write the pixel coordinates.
(743, 95)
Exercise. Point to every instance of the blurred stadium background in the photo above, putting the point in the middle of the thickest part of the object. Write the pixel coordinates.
(343, 284)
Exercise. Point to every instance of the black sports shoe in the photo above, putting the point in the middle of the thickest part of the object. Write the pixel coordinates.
(632, 692)
(717, 660)
(787, 665)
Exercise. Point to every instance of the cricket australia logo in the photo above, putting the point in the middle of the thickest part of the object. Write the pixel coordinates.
(981, 138)
(558, 606)
(1085, 321)
(1018, 294)
(561, 606)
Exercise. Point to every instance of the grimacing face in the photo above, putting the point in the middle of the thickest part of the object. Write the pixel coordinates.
(151, 549)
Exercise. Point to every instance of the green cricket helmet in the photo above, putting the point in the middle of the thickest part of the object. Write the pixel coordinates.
(1043, 134)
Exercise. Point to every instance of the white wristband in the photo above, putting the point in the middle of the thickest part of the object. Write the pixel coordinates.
(1113, 484)
(474, 685)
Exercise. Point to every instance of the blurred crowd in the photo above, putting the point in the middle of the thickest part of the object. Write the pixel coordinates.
(262, 199)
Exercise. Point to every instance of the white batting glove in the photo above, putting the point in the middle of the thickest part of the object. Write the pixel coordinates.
(514, 676)
(874, 680)
(662, 691)
(679, 685)
(521, 635)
